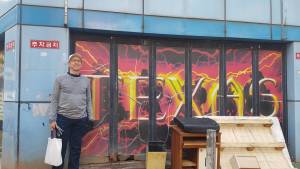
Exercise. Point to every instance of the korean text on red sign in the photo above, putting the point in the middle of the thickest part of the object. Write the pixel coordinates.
(298, 55)
(10, 45)
(48, 44)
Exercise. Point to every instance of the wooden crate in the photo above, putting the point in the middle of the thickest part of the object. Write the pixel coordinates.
(244, 162)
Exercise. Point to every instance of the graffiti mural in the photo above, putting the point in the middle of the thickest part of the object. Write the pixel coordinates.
(170, 97)
(133, 108)
(96, 66)
(239, 80)
(270, 83)
(133, 87)
(205, 81)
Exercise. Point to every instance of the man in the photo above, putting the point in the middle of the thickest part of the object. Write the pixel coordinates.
(71, 110)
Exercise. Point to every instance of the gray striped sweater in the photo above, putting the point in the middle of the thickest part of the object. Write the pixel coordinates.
(71, 98)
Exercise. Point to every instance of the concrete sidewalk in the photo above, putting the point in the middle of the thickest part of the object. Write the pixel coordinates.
(117, 165)
(127, 165)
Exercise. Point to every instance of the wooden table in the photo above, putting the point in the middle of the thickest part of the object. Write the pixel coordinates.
(192, 141)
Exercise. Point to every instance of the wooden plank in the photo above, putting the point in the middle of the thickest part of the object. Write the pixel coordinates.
(201, 158)
(261, 134)
(244, 162)
(239, 121)
(195, 144)
(242, 134)
(227, 134)
(268, 158)
(211, 149)
(188, 163)
(254, 145)
(275, 159)
(235, 134)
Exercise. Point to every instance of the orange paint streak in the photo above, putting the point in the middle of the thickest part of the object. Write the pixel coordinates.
(88, 52)
(100, 133)
(277, 56)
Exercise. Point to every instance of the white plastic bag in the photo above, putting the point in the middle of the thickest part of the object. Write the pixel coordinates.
(53, 152)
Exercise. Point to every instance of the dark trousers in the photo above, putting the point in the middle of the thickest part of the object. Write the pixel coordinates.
(73, 131)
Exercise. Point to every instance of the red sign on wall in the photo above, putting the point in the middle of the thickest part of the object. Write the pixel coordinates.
(297, 55)
(48, 44)
(10, 45)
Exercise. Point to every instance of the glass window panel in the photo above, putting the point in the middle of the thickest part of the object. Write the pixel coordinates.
(205, 81)
(169, 87)
(96, 66)
(239, 82)
(270, 83)
(133, 107)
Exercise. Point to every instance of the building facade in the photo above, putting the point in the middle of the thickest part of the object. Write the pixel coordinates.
(149, 61)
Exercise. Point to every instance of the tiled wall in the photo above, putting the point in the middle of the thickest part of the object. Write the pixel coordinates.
(7, 5)
(34, 82)
(258, 11)
(293, 99)
(11, 68)
(41, 66)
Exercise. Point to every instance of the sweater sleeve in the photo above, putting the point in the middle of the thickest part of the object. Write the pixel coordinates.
(54, 101)
(89, 102)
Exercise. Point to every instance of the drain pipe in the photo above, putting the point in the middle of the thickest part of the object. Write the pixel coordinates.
(66, 14)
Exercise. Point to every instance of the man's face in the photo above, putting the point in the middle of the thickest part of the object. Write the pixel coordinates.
(75, 64)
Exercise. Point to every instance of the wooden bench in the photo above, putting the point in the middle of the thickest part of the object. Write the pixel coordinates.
(192, 141)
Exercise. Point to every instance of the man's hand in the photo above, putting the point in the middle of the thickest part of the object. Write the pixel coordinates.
(53, 125)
